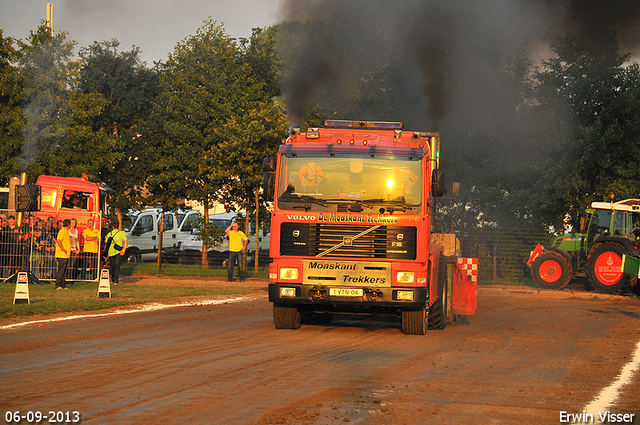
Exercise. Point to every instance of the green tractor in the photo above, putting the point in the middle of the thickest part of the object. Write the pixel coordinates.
(608, 232)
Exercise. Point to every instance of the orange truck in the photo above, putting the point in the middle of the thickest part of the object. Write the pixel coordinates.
(351, 229)
(57, 199)
(79, 199)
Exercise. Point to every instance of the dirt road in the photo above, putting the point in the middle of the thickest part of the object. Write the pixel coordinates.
(527, 356)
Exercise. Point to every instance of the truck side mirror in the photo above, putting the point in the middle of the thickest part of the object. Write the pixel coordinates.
(455, 190)
(269, 164)
(27, 197)
(269, 186)
(437, 183)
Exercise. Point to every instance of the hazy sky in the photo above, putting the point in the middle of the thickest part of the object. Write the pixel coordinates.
(154, 26)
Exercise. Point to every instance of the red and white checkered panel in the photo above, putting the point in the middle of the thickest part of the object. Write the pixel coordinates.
(465, 286)
(470, 265)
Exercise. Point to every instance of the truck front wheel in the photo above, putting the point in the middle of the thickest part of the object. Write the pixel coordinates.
(550, 270)
(286, 317)
(415, 322)
(604, 269)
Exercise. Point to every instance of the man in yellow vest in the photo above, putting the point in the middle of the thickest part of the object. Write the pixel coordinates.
(237, 244)
(117, 246)
(91, 247)
(63, 251)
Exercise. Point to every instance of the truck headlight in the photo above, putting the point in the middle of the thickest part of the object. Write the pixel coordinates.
(404, 295)
(289, 274)
(405, 277)
(288, 292)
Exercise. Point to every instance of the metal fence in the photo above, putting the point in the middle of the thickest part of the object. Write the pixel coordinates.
(502, 253)
(30, 246)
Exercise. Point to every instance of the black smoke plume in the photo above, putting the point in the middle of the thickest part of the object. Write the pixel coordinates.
(455, 51)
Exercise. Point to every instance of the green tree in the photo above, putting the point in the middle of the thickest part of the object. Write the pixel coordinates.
(11, 117)
(258, 129)
(212, 116)
(48, 73)
(126, 88)
(593, 146)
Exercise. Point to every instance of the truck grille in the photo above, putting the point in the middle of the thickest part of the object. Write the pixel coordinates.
(313, 239)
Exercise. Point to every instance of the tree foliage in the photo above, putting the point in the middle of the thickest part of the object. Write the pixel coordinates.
(198, 125)
(214, 118)
(592, 94)
(126, 89)
(48, 72)
(11, 116)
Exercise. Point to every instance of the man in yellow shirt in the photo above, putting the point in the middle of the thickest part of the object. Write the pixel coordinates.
(237, 244)
(63, 251)
(91, 238)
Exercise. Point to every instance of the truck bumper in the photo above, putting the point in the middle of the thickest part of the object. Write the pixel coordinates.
(322, 296)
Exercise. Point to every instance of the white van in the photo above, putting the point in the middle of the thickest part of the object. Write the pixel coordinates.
(142, 230)
(191, 246)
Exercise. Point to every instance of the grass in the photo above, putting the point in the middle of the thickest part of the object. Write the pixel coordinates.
(187, 270)
(82, 296)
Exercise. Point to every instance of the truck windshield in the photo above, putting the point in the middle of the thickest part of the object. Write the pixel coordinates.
(388, 180)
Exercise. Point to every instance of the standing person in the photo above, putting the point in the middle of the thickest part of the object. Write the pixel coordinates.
(63, 251)
(13, 245)
(4, 251)
(26, 231)
(116, 249)
(48, 248)
(237, 244)
(90, 249)
(73, 237)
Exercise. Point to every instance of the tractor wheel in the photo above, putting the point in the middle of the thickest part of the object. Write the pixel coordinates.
(286, 317)
(604, 269)
(550, 270)
(438, 311)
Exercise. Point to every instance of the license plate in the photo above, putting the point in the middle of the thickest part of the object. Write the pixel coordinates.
(346, 292)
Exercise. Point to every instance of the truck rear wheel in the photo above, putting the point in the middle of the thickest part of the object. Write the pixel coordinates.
(438, 311)
(604, 269)
(550, 270)
(286, 317)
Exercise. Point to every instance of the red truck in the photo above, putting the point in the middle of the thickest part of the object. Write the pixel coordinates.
(351, 228)
(56, 199)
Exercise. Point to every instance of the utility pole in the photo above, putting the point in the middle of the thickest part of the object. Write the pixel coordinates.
(49, 21)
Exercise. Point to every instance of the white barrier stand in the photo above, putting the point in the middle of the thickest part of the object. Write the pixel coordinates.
(104, 286)
(21, 295)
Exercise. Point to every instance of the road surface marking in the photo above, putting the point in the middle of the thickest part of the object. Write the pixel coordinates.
(610, 394)
(141, 309)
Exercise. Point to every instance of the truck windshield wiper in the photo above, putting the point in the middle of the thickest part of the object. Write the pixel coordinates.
(350, 201)
(292, 197)
(399, 201)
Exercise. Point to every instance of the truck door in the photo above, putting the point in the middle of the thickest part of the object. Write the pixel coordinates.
(189, 222)
(144, 234)
(186, 226)
(170, 233)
